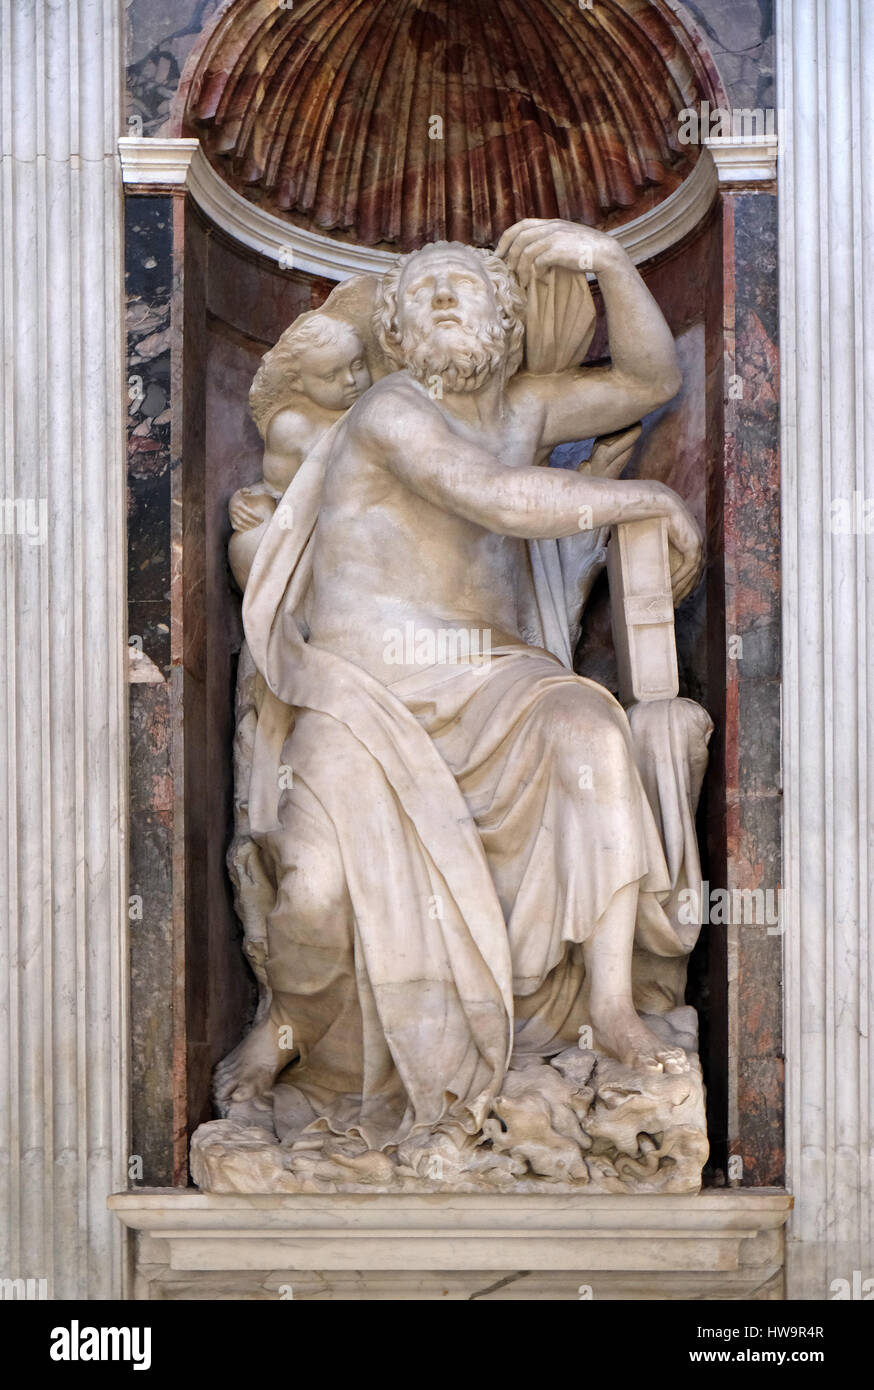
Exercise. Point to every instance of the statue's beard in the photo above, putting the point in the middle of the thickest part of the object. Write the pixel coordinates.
(462, 359)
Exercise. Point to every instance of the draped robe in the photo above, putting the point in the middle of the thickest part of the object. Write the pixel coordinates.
(464, 861)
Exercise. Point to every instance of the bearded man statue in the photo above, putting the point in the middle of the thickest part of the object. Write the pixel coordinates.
(450, 900)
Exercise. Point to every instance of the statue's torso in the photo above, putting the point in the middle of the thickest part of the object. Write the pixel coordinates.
(386, 559)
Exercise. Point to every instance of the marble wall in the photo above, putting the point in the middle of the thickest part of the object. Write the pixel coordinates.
(159, 36)
(740, 38)
(64, 986)
(753, 790)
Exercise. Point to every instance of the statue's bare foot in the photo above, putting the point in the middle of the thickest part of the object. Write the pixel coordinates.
(621, 1032)
(247, 1074)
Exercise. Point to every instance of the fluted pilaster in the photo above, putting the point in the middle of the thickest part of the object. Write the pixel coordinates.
(826, 183)
(62, 628)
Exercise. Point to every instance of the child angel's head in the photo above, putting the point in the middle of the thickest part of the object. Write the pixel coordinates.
(319, 358)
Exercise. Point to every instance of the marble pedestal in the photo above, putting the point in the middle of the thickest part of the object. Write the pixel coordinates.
(725, 1244)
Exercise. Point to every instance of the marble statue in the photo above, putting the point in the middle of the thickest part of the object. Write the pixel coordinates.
(459, 865)
(304, 384)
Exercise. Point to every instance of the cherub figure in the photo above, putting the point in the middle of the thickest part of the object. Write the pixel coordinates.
(316, 371)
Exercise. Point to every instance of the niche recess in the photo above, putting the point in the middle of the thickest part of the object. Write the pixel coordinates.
(380, 125)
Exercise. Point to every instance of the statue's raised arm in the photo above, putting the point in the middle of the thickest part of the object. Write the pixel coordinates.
(643, 373)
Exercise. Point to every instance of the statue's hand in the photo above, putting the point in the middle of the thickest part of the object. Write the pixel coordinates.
(536, 245)
(610, 453)
(248, 509)
(685, 546)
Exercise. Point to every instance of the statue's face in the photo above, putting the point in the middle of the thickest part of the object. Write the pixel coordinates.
(448, 321)
(335, 376)
(445, 298)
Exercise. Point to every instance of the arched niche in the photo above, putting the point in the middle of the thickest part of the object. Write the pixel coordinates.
(315, 157)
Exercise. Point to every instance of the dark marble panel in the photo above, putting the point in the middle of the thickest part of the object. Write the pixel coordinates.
(758, 716)
(710, 961)
(149, 278)
(740, 37)
(151, 944)
(160, 36)
(752, 751)
(760, 1099)
(149, 285)
(193, 888)
(192, 652)
(221, 450)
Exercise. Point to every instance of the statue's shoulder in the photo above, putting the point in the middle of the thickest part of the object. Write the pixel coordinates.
(288, 430)
(396, 384)
(527, 396)
(393, 397)
(525, 385)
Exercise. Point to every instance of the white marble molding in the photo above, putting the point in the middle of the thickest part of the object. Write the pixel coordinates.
(178, 162)
(740, 159)
(728, 1242)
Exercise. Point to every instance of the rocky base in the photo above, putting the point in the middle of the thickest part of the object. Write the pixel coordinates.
(581, 1122)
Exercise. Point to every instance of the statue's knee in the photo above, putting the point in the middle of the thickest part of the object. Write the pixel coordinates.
(589, 743)
(312, 891)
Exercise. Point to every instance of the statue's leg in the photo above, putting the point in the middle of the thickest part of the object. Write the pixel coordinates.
(245, 1077)
(552, 783)
(618, 1027)
(579, 731)
(309, 962)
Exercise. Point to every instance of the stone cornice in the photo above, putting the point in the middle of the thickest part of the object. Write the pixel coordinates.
(740, 160)
(704, 1232)
(180, 163)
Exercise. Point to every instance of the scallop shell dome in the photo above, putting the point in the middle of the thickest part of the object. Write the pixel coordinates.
(392, 123)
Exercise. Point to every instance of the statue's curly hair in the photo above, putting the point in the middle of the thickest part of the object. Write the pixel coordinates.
(508, 295)
(277, 377)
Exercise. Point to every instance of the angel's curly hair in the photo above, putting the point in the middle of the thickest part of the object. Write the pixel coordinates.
(276, 380)
(508, 295)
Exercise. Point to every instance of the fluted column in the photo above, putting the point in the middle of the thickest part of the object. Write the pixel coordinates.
(826, 184)
(63, 1108)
